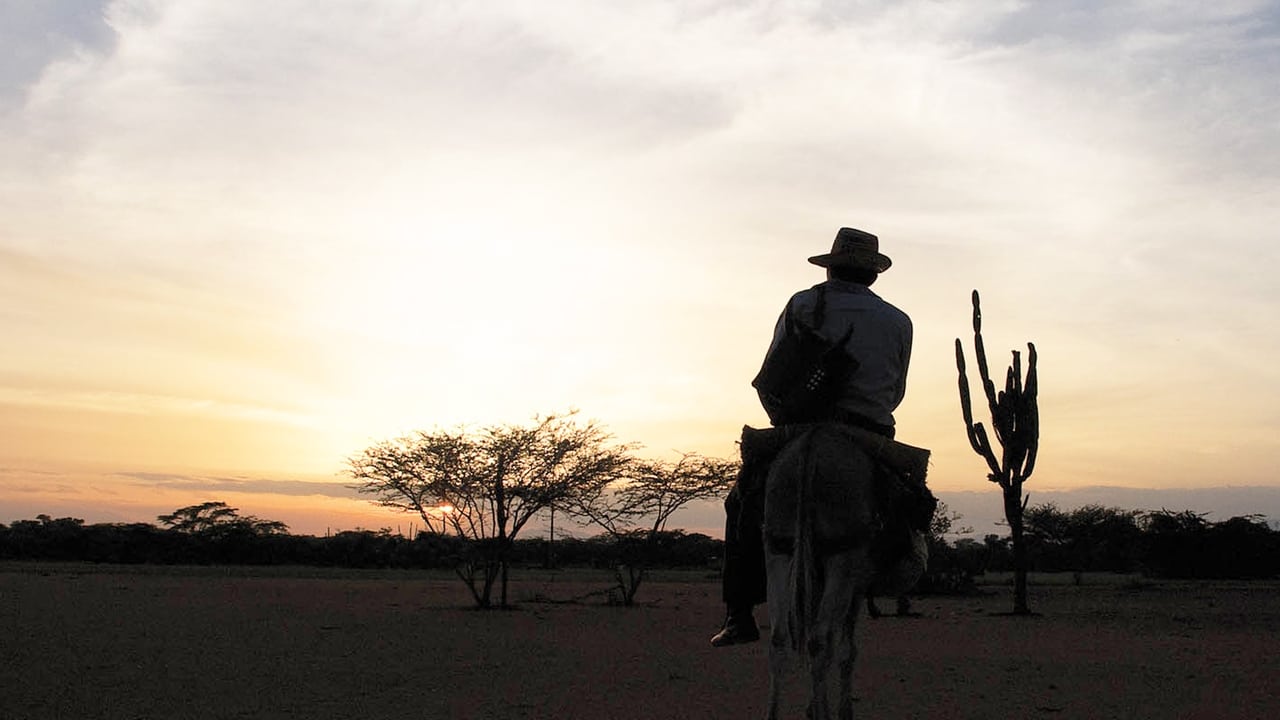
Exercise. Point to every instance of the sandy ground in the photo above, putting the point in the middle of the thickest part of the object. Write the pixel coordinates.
(82, 642)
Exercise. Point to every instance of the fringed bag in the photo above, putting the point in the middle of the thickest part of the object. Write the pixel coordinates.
(799, 381)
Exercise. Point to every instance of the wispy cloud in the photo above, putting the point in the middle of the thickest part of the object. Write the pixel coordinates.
(38, 33)
(117, 402)
(256, 485)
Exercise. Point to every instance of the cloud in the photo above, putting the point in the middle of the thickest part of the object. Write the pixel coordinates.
(255, 485)
(140, 343)
(913, 110)
(116, 402)
(35, 34)
(1183, 86)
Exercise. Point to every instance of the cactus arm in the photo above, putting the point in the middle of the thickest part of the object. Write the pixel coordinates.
(980, 352)
(976, 433)
(1015, 372)
(983, 446)
(966, 405)
(1031, 412)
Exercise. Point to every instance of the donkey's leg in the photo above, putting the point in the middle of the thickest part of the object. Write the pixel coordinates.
(779, 573)
(860, 571)
(826, 647)
(845, 658)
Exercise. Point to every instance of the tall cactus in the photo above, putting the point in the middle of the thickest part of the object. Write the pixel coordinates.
(1015, 418)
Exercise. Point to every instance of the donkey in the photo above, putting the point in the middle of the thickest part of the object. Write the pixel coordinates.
(825, 528)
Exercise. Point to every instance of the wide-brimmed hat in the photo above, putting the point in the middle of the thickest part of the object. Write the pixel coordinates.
(854, 249)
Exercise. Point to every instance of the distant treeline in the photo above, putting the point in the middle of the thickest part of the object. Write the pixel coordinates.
(1094, 538)
(71, 539)
(1090, 539)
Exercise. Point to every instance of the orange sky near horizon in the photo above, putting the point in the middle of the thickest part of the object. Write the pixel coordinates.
(237, 249)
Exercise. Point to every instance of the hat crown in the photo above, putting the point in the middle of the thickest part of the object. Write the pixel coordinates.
(854, 248)
(851, 241)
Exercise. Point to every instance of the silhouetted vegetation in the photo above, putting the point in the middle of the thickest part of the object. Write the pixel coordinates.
(487, 485)
(634, 510)
(1093, 538)
(1162, 544)
(1185, 545)
(950, 569)
(70, 539)
(1015, 419)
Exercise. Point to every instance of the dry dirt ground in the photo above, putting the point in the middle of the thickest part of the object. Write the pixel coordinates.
(82, 642)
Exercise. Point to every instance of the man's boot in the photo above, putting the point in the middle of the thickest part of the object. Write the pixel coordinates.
(739, 627)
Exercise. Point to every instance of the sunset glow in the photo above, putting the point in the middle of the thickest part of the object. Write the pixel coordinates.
(242, 241)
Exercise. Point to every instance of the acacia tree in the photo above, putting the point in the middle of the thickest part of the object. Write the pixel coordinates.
(1015, 418)
(634, 510)
(486, 485)
(217, 518)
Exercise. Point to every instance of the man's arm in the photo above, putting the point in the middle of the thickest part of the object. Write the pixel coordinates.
(908, 332)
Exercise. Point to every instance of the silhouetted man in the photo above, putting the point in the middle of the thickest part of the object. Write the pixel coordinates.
(879, 345)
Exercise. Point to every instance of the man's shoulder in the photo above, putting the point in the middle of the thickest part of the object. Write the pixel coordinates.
(895, 311)
(863, 296)
(889, 315)
(804, 299)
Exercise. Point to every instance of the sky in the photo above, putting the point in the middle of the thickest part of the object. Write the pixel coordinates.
(242, 241)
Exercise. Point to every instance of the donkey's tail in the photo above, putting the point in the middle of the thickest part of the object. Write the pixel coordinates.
(802, 578)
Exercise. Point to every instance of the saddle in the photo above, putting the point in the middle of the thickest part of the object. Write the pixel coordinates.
(903, 501)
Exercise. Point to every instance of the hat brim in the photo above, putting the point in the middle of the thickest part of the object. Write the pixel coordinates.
(877, 262)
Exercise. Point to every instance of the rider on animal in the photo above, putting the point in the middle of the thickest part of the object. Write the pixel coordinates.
(875, 338)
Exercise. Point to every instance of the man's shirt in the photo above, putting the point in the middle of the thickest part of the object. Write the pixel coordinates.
(881, 343)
